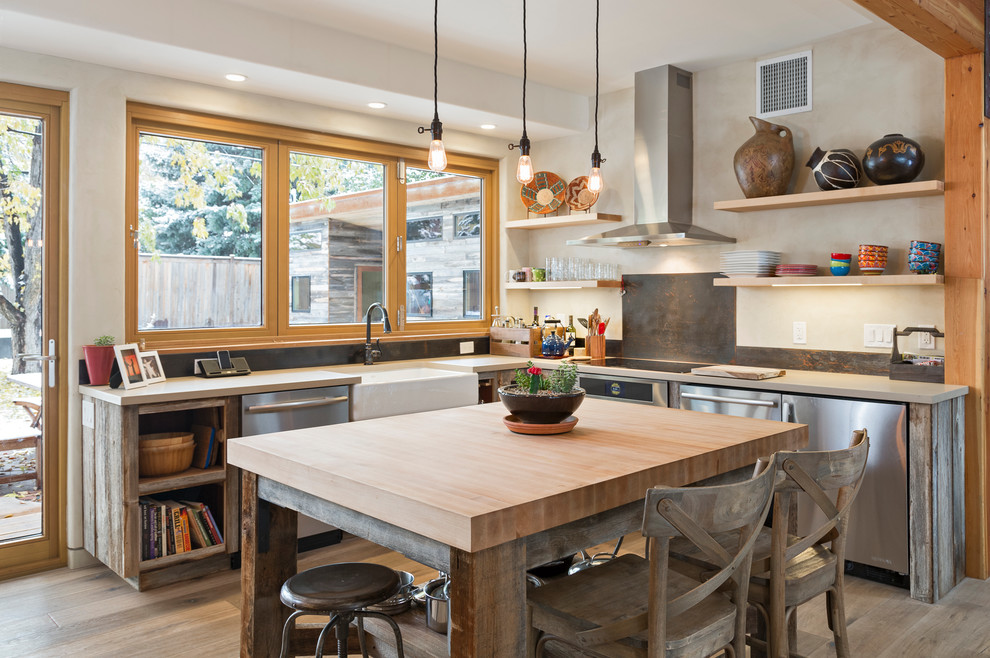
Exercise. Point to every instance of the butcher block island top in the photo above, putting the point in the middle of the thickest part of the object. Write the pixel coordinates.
(460, 477)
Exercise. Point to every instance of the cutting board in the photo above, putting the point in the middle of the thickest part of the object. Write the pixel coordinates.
(738, 372)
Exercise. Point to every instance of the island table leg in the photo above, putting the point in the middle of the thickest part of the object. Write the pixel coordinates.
(268, 559)
(488, 601)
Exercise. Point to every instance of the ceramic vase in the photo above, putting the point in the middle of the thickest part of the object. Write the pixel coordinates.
(835, 169)
(765, 161)
(893, 159)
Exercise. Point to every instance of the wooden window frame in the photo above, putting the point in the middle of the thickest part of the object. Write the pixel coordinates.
(277, 143)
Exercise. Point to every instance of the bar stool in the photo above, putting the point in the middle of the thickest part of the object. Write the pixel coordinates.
(341, 591)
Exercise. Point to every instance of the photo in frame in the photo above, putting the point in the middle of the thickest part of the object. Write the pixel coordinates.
(129, 365)
(151, 367)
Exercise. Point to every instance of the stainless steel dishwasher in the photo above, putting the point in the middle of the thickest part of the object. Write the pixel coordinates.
(264, 413)
(878, 522)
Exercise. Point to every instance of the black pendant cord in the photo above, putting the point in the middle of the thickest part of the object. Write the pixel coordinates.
(436, 31)
(525, 57)
(597, 10)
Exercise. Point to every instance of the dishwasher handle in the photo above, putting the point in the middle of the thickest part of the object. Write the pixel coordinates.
(294, 404)
(719, 398)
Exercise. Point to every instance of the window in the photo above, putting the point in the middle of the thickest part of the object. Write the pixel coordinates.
(472, 293)
(420, 285)
(252, 233)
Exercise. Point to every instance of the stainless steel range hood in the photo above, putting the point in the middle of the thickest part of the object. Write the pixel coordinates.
(664, 167)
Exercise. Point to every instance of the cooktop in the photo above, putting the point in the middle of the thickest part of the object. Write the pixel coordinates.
(645, 364)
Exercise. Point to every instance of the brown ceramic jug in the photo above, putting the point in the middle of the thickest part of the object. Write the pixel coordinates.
(764, 163)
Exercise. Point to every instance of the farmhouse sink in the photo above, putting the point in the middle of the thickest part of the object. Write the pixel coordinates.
(387, 390)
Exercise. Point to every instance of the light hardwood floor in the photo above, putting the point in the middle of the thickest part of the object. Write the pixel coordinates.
(92, 612)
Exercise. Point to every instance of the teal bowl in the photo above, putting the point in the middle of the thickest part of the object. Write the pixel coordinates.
(839, 270)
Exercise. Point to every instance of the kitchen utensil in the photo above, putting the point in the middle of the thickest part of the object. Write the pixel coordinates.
(544, 193)
(402, 599)
(437, 593)
(583, 322)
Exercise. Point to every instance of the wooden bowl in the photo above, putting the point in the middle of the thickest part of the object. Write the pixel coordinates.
(164, 439)
(165, 460)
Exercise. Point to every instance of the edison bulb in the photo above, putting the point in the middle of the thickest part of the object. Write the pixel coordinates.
(524, 170)
(438, 156)
(595, 182)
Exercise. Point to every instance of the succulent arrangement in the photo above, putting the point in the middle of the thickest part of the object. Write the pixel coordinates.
(104, 341)
(556, 382)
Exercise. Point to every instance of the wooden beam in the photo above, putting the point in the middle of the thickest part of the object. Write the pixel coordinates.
(948, 27)
(965, 283)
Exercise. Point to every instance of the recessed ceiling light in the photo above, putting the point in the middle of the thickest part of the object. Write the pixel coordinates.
(236, 77)
(488, 126)
(377, 105)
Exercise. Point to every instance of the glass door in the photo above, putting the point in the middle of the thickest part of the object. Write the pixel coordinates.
(30, 523)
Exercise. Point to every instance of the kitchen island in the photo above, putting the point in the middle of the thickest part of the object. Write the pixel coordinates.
(459, 492)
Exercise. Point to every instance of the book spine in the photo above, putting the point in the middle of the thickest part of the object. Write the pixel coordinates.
(211, 522)
(161, 531)
(152, 535)
(176, 516)
(169, 530)
(202, 535)
(145, 542)
(186, 540)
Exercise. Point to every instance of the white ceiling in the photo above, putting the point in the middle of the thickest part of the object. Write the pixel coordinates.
(345, 54)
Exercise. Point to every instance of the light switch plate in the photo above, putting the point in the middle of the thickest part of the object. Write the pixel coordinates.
(467, 347)
(800, 333)
(878, 335)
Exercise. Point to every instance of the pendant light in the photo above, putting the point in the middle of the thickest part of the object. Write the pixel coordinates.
(438, 156)
(524, 170)
(595, 182)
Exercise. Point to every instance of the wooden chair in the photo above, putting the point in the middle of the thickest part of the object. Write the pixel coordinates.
(631, 606)
(790, 569)
(18, 439)
(33, 408)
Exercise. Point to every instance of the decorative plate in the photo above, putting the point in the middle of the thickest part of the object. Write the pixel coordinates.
(578, 196)
(544, 193)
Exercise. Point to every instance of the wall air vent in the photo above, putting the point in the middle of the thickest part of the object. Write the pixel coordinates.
(783, 85)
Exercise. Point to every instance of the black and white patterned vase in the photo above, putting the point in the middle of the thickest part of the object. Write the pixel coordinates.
(837, 169)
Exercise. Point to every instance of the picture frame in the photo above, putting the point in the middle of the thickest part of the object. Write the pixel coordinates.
(151, 367)
(129, 365)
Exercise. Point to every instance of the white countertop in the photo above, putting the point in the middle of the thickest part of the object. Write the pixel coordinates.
(795, 381)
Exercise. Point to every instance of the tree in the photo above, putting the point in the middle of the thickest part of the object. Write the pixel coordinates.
(21, 217)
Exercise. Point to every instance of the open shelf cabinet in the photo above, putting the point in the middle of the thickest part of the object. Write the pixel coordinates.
(854, 195)
(561, 285)
(114, 489)
(882, 280)
(578, 219)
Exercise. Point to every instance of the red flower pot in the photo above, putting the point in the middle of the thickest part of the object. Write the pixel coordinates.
(99, 361)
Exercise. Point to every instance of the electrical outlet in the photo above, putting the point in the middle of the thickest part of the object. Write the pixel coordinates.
(925, 340)
(467, 347)
(88, 414)
(878, 335)
(800, 333)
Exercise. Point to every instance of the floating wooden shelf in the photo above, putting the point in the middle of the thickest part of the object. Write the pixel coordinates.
(566, 220)
(560, 285)
(889, 280)
(856, 194)
(191, 477)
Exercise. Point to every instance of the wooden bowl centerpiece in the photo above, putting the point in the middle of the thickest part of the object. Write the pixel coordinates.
(542, 399)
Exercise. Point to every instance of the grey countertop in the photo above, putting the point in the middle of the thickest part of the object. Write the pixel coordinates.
(794, 381)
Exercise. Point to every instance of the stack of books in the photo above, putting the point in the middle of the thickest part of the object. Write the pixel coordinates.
(169, 527)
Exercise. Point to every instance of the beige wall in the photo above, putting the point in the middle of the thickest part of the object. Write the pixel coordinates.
(866, 84)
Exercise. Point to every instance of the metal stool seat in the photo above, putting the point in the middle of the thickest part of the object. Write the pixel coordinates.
(341, 591)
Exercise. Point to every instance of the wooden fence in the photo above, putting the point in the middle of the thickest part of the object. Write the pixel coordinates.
(178, 292)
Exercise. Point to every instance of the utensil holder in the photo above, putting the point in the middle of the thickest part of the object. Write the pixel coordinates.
(596, 347)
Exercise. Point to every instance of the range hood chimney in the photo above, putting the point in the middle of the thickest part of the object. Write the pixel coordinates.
(663, 166)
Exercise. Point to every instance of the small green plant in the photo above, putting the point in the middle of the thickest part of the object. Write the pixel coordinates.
(561, 380)
(104, 340)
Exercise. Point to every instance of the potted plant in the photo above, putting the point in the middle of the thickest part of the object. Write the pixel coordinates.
(543, 399)
(99, 360)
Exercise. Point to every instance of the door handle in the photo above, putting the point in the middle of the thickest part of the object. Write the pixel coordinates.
(719, 398)
(294, 404)
(51, 358)
(35, 357)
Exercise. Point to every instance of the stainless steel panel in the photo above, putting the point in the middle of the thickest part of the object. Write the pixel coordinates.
(625, 389)
(731, 401)
(878, 524)
(263, 413)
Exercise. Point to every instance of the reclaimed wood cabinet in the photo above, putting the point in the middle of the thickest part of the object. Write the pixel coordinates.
(113, 486)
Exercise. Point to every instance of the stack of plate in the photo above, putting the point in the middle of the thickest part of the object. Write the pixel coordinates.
(797, 270)
(749, 263)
